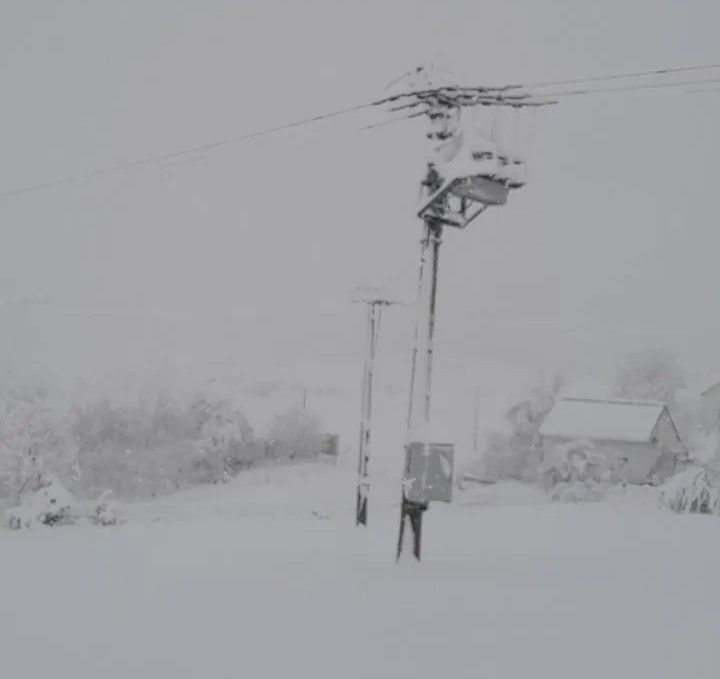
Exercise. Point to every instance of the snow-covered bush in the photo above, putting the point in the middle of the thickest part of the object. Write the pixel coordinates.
(137, 450)
(576, 472)
(147, 449)
(693, 491)
(103, 512)
(225, 436)
(53, 505)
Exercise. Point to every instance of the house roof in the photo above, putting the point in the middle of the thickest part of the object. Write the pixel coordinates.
(702, 386)
(604, 420)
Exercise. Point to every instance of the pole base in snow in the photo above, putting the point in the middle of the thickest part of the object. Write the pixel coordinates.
(411, 512)
(361, 508)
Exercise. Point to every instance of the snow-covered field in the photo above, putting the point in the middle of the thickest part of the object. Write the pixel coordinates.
(268, 577)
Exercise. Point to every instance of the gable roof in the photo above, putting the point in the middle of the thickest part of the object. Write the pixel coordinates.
(708, 385)
(581, 418)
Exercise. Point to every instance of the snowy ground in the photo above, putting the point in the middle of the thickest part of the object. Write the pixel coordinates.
(268, 577)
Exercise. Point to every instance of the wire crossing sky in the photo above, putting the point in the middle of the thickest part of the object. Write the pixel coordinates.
(131, 165)
(242, 260)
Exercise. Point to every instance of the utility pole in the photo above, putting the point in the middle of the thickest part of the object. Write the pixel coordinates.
(374, 312)
(466, 174)
(412, 511)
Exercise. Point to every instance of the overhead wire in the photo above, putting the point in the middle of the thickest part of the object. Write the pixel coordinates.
(151, 160)
(482, 94)
(615, 76)
(703, 90)
(391, 121)
(631, 88)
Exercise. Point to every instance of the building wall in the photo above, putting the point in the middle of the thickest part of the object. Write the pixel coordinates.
(666, 434)
(710, 408)
(670, 447)
(634, 462)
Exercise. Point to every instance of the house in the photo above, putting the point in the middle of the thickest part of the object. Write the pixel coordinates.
(640, 438)
(707, 394)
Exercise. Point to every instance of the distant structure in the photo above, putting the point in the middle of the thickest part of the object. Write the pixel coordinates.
(707, 394)
(639, 437)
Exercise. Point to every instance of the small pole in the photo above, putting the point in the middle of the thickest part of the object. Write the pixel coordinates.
(363, 487)
(374, 309)
(476, 419)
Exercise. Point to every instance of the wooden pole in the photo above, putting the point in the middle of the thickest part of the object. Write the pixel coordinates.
(363, 487)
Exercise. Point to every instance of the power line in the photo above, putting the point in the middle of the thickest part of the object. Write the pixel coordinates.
(616, 76)
(479, 94)
(632, 88)
(482, 91)
(703, 90)
(151, 160)
(495, 95)
(583, 92)
(391, 121)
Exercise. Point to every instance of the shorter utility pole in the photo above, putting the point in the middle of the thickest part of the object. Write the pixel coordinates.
(374, 313)
(476, 420)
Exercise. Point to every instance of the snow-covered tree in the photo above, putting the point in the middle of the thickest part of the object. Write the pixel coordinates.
(150, 448)
(653, 375)
(33, 443)
(225, 437)
(516, 455)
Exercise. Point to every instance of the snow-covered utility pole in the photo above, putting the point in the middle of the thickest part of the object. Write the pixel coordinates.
(468, 170)
(374, 312)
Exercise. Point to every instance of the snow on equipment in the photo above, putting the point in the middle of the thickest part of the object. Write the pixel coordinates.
(473, 162)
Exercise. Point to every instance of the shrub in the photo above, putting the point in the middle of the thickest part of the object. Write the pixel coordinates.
(575, 472)
(105, 513)
(53, 505)
(152, 448)
(49, 505)
(693, 491)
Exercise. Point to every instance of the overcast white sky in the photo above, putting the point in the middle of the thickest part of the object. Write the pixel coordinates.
(250, 252)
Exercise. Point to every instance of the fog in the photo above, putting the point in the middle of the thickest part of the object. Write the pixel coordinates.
(242, 259)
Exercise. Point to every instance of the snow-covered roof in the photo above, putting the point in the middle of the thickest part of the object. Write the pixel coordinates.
(703, 384)
(579, 418)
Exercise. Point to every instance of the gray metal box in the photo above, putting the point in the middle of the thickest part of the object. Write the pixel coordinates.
(430, 477)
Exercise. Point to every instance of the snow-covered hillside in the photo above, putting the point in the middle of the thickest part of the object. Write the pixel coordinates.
(268, 577)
